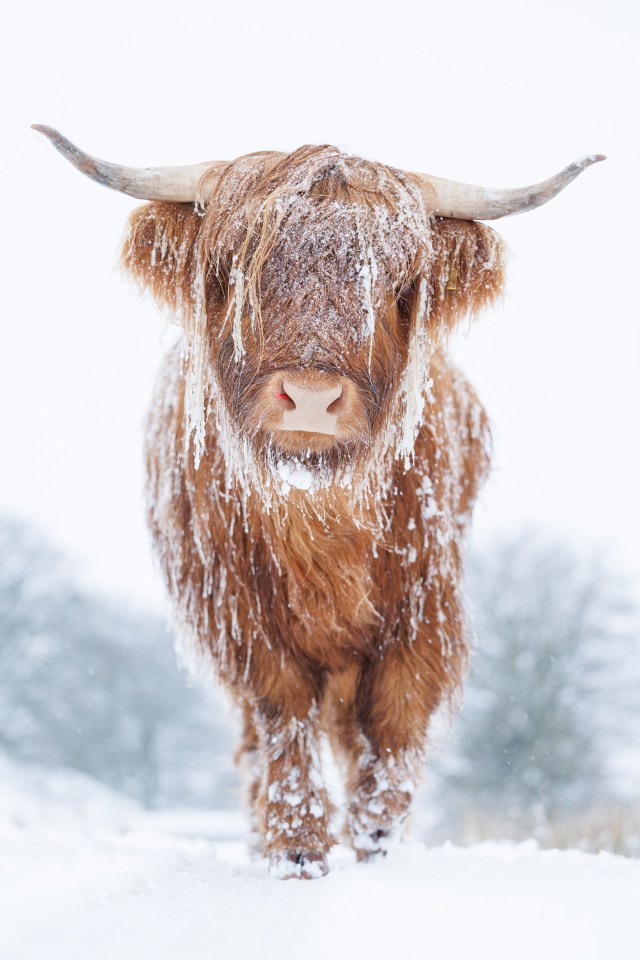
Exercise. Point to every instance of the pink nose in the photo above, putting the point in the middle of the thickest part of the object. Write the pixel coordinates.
(309, 408)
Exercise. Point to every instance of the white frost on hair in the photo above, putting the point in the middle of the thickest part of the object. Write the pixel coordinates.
(195, 363)
(293, 473)
(236, 301)
(416, 385)
(368, 274)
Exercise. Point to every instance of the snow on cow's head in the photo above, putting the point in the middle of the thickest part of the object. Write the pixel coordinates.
(313, 288)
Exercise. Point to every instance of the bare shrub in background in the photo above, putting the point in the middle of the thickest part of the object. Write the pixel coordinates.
(551, 704)
(88, 684)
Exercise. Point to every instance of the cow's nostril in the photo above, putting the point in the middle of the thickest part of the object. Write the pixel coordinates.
(283, 395)
(335, 405)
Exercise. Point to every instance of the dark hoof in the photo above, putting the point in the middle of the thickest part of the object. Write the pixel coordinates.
(370, 856)
(372, 846)
(299, 866)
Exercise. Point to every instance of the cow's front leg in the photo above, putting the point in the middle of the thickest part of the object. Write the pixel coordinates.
(292, 806)
(380, 799)
(393, 704)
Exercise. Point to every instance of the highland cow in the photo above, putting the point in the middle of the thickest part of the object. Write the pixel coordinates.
(313, 459)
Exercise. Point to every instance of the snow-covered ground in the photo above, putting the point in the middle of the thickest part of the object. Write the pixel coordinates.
(84, 873)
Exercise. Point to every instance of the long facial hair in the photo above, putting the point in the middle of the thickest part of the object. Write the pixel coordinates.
(313, 257)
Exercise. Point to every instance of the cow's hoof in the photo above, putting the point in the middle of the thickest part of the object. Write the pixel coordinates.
(370, 856)
(371, 846)
(313, 866)
(299, 866)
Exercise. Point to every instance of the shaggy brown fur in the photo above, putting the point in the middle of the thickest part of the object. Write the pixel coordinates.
(336, 609)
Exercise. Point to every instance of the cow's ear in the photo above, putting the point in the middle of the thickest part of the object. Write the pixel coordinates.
(467, 270)
(159, 251)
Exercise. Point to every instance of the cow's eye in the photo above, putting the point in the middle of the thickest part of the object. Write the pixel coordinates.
(404, 298)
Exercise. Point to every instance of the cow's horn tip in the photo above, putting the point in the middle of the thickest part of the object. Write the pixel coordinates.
(594, 158)
(47, 131)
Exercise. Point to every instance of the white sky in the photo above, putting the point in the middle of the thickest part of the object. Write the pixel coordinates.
(499, 93)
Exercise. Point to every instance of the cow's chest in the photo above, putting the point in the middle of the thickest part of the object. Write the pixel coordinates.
(326, 585)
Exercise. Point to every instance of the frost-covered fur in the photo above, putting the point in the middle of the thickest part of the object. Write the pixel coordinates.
(322, 575)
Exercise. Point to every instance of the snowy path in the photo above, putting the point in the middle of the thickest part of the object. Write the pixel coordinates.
(164, 887)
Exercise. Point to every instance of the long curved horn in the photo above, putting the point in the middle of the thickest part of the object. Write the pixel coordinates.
(466, 202)
(178, 184)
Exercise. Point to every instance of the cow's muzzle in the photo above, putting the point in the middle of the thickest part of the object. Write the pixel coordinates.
(313, 405)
